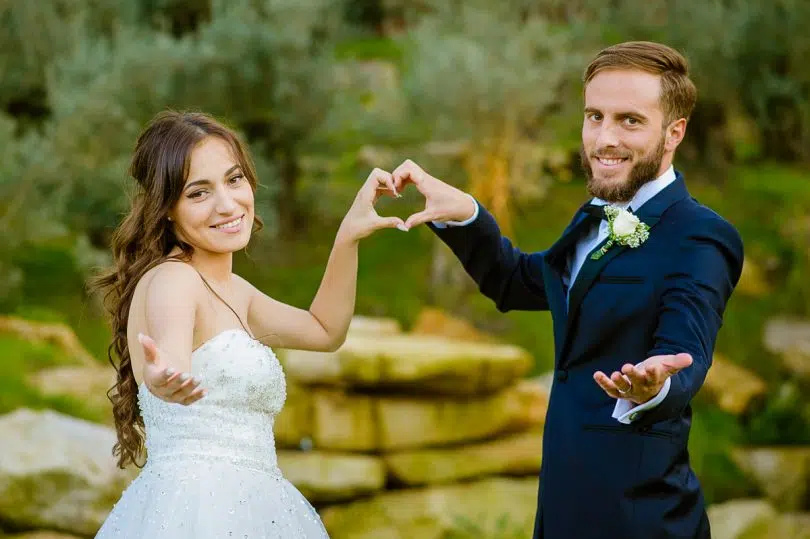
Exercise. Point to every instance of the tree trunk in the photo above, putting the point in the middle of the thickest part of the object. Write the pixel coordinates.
(289, 215)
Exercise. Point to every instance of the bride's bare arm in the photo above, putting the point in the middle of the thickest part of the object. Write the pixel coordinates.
(323, 327)
(171, 303)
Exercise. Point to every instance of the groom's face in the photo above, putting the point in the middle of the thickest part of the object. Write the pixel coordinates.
(624, 141)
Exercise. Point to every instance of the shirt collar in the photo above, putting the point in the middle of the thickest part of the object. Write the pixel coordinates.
(645, 193)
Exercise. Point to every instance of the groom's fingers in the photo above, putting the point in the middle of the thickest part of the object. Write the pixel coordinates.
(676, 363)
(638, 376)
(418, 218)
(407, 172)
(606, 384)
(621, 382)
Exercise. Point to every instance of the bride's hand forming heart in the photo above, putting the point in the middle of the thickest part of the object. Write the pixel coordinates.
(362, 219)
(443, 202)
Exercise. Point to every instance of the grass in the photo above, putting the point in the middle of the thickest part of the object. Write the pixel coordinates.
(22, 359)
(504, 527)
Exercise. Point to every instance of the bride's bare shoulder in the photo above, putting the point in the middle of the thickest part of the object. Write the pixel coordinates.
(171, 278)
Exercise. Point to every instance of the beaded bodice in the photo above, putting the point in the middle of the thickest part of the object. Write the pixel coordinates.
(234, 421)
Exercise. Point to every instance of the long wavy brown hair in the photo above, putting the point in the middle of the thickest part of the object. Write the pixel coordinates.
(144, 239)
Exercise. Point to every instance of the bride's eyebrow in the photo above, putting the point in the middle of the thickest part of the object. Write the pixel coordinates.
(205, 181)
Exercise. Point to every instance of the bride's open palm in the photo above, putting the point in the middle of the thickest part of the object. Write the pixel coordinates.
(164, 382)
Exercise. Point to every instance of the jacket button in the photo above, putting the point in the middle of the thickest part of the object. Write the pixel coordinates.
(562, 375)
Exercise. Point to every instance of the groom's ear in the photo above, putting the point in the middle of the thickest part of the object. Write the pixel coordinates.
(674, 134)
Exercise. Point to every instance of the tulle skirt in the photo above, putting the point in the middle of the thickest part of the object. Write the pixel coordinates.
(211, 500)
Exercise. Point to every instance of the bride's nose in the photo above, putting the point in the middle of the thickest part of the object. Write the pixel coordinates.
(225, 204)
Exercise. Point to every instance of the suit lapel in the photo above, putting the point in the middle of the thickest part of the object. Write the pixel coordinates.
(556, 258)
(649, 213)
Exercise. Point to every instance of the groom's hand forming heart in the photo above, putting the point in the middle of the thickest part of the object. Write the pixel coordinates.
(642, 382)
(443, 202)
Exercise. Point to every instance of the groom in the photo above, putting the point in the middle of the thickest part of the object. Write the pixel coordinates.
(637, 285)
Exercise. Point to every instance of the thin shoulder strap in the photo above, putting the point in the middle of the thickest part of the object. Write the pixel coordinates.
(208, 286)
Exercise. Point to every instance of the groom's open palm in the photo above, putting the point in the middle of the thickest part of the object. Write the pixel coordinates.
(641, 383)
(443, 202)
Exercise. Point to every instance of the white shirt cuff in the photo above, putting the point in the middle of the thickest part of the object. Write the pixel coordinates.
(627, 412)
(466, 222)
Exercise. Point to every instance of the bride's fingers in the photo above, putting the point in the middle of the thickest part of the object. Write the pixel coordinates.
(194, 396)
(177, 385)
(378, 178)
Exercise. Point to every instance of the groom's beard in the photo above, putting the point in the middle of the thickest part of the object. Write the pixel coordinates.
(644, 171)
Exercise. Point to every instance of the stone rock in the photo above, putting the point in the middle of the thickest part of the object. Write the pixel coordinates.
(732, 387)
(57, 472)
(518, 454)
(782, 473)
(53, 333)
(731, 519)
(439, 512)
(293, 426)
(330, 477)
(84, 383)
(424, 364)
(789, 526)
(352, 422)
(344, 421)
(320, 367)
(407, 423)
(374, 326)
(433, 321)
(305, 367)
(790, 339)
(545, 380)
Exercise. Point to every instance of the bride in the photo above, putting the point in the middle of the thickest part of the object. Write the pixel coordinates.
(201, 383)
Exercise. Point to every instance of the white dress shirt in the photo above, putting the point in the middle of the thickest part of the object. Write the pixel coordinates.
(625, 410)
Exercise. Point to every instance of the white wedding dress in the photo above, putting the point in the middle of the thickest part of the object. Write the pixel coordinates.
(211, 469)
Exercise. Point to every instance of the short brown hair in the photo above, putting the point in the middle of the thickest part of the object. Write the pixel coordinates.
(678, 92)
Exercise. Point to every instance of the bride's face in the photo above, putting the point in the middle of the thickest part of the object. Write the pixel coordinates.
(216, 208)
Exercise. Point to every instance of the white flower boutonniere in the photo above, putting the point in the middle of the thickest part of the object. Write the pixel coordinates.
(624, 228)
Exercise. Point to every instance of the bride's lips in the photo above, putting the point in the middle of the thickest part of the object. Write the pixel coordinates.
(230, 226)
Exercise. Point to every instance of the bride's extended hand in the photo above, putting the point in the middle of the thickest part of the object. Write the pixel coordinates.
(362, 219)
(166, 383)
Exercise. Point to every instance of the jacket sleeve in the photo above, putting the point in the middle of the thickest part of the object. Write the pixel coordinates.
(509, 277)
(705, 270)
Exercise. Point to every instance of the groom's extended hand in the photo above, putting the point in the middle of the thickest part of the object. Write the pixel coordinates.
(642, 382)
(443, 202)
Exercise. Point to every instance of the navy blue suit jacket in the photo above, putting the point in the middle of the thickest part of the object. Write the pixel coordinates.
(601, 479)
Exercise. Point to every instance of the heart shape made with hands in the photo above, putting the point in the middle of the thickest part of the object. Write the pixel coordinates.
(442, 202)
